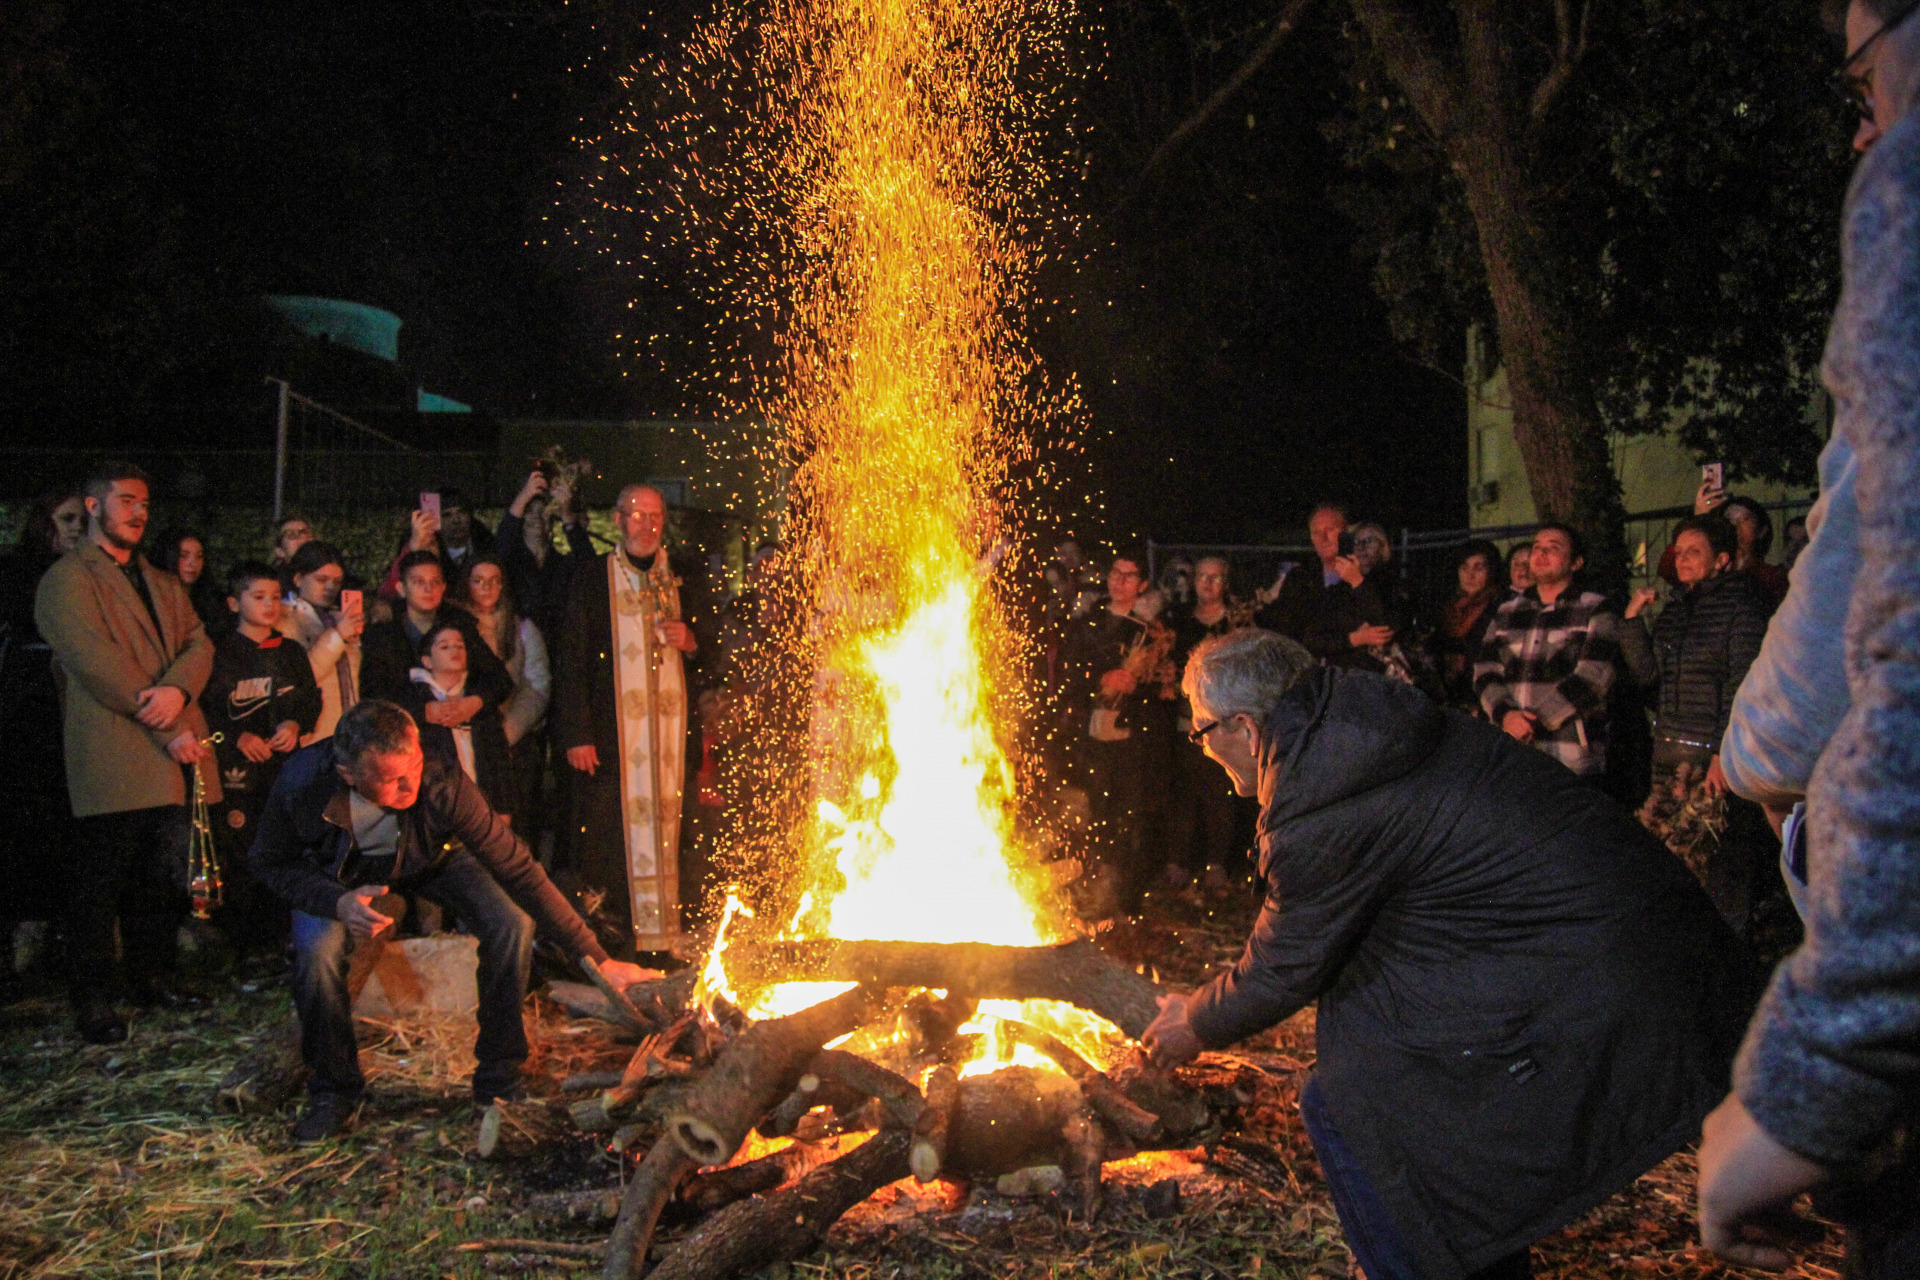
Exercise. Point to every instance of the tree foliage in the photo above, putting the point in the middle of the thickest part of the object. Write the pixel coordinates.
(1691, 180)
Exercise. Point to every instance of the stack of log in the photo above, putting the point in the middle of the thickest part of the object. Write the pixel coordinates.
(699, 1090)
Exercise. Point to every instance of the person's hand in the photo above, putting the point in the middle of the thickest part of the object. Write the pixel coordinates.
(1716, 777)
(1169, 1038)
(286, 737)
(354, 909)
(351, 625)
(563, 500)
(1349, 570)
(255, 748)
(1707, 499)
(1747, 1185)
(425, 525)
(1640, 599)
(680, 636)
(1369, 634)
(623, 975)
(1118, 683)
(1519, 725)
(160, 706)
(586, 759)
(535, 486)
(187, 749)
(454, 712)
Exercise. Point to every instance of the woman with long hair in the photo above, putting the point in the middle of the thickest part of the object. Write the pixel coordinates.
(517, 642)
(1482, 579)
(183, 553)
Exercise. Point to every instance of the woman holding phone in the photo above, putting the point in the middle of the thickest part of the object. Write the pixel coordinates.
(325, 620)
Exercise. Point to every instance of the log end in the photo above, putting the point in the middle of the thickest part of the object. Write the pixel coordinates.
(701, 1141)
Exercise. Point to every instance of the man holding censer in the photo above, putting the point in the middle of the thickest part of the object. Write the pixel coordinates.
(1525, 1001)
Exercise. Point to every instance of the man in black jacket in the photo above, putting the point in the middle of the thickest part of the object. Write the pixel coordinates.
(1524, 1001)
(361, 812)
(391, 650)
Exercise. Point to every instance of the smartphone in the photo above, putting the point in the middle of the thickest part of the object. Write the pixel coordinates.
(1346, 543)
(430, 503)
(351, 601)
(1714, 476)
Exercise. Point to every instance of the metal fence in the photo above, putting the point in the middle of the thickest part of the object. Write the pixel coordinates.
(325, 461)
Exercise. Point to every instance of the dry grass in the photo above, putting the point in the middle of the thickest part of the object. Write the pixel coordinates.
(115, 1163)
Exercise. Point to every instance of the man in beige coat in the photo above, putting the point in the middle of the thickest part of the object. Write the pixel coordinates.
(132, 658)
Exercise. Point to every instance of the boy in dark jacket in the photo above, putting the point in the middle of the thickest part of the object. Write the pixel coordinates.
(260, 698)
(1524, 1001)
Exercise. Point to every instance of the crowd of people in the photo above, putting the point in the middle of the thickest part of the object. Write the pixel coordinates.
(1525, 997)
(1521, 640)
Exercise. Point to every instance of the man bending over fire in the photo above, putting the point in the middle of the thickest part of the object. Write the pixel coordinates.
(364, 810)
(1525, 1001)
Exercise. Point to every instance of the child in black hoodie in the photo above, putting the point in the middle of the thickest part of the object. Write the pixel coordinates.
(260, 699)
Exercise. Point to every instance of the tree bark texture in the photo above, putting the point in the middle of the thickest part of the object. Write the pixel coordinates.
(1077, 973)
(1489, 127)
(757, 1069)
(654, 1183)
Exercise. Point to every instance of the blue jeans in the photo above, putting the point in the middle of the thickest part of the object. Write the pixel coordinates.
(1376, 1242)
(505, 933)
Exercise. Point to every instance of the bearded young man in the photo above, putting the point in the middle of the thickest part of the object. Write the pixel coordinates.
(635, 626)
(132, 658)
(1525, 1001)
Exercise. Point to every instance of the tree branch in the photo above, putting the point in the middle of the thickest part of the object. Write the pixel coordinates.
(1288, 20)
(1569, 50)
(1423, 73)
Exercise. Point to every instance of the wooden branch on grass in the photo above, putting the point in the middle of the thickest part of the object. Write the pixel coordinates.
(654, 1183)
(1078, 973)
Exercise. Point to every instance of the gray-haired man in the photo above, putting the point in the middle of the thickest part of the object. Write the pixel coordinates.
(1525, 1001)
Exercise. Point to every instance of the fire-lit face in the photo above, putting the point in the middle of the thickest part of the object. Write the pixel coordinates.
(191, 561)
(294, 534)
(120, 518)
(1233, 743)
(1474, 575)
(321, 588)
(1694, 559)
(1324, 529)
(1123, 584)
(484, 587)
(642, 519)
(447, 655)
(424, 588)
(1210, 582)
(1553, 560)
(258, 605)
(69, 525)
(1520, 568)
(390, 780)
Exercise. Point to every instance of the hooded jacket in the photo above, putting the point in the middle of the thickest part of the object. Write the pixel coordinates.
(1524, 1000)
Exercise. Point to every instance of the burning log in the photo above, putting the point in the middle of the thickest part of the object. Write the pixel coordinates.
(787, 1224)
(930, 1132)
(647, 1007)
(755, 1070)
(1010, 1119)
(1078, 973)
(715, 1190)
(900, 1103)
(1115, 1108)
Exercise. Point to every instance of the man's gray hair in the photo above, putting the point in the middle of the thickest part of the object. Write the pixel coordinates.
(375, 725)
(1243, 672)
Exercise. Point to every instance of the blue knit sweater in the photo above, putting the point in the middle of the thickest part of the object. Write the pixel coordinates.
(1833, 1056)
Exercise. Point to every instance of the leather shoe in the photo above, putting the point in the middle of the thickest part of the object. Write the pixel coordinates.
(323, 1118)
(98, 1023)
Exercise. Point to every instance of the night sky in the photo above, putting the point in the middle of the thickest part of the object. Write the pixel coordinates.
(1234, 361)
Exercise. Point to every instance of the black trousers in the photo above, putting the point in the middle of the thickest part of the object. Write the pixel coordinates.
(1201, 825)
(123, 869)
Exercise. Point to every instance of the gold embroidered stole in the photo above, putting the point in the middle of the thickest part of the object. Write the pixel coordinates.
(650, 684)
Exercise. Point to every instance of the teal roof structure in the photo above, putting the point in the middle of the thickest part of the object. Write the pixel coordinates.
(371, 330)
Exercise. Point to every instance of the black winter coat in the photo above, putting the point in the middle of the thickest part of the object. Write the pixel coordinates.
(1524, 1000)
(1698, 653)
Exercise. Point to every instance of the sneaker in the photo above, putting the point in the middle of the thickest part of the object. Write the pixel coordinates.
(324, 1117)
(97, 1021)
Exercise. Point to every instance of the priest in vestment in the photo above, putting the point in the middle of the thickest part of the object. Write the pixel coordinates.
(633, 632)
